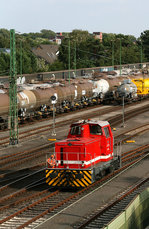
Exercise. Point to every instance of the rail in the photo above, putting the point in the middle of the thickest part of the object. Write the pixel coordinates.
(36, 212)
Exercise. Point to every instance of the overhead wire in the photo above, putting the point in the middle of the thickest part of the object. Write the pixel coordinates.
(88, 52)
(98, 55)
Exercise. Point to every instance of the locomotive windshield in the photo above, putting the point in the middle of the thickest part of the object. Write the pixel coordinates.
(75, 130)
(95, 129)
(106, 130)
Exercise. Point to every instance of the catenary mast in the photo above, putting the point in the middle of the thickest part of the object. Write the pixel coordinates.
(13, 107)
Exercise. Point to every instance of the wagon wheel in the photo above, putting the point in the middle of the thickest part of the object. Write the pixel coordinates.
(2, 127)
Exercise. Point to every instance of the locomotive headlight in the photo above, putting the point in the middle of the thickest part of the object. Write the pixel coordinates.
(82, 163)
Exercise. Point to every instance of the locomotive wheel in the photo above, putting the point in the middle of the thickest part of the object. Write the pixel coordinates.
(117, 164)
(102, 173)
(111, 169)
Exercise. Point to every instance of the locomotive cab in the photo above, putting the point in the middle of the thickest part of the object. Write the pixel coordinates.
(85, 154)
(99, 132)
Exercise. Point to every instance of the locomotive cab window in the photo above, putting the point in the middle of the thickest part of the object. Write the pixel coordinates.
(95, 129)
(75, 130)
(106, 130)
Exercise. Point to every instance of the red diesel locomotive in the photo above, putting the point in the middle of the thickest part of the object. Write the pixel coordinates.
(86, 155)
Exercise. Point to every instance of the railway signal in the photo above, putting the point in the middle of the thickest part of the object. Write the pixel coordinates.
(53, 101)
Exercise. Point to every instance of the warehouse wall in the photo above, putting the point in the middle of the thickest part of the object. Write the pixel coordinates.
(136, 215)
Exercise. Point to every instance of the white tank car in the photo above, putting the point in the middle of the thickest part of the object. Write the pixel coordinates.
(101, 87)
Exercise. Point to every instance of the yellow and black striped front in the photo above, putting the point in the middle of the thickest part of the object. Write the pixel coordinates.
(69, 178)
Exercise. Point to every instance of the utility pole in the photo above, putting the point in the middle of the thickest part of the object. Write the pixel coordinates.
(13, 107)
(69, 58)
(113, 53)
(120, 57)
(21, 58)
(141, 55)
(75, 57)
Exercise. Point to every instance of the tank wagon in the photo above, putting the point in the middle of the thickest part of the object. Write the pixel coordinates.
(86, 155)
(108, 86)
(4, 108)
(142, 87)
(35, 101)
(126, 89)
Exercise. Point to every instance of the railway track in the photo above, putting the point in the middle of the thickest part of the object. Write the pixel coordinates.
(127, 160)
(91, 114)
(16, 159)
(50, 203)
(12, 176)
(27, 172)
(47, 127)
(21, 158)
(124, 136)
(27, 180)
(40, 119)
(50, 118)
(128, 115)
(102, 217)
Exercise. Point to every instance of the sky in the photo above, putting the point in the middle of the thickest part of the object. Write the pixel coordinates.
(129, 17)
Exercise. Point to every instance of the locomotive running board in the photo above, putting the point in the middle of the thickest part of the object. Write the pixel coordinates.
(69, 178)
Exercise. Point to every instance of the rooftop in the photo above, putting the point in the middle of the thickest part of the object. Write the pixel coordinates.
(46, 52)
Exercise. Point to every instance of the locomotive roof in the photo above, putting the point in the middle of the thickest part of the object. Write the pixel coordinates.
(99, 122)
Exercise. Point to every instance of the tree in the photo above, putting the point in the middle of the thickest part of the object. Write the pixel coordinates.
(4, 38)
(56, 66)
(85, 50)
(4, 64)
(79, 35)
(90, 52)
(48, 34)
(144, 42)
